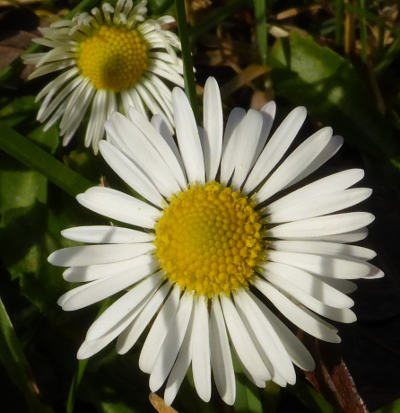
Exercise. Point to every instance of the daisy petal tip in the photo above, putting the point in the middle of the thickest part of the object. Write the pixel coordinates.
(82, 353)
(230, 399)
(205, 397)
(211, 82)
(300, 111)
(154, 383)
(52, 258)
(81, 198)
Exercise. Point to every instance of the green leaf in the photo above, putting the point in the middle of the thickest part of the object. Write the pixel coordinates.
(48, 140)
(18, 110)
(23, 235)
(13, 359)
(19, 187)
(327, 84)
(34, 157)
(390, 408)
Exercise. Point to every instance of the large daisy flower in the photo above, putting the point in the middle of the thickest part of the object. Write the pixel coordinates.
(108, 58)
(220, 251)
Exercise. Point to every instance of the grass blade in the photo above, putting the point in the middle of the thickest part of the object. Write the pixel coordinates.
(13, 359)
(190, 84)
(260, 14)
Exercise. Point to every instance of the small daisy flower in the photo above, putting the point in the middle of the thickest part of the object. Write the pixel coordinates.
(109, 58)
(221, 251)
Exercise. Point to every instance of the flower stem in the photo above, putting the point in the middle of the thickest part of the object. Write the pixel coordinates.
(190, 83)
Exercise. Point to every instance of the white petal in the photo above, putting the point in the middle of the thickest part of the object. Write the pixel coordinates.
(120, 206)
(276, 147)
(53, 86)
(130, 173)
(343, 315)
(91, 347)
(94, 272)
(213, 126)
(268, 113)
(101, 234)
(324, 248)
(295, 348)
(129, 337)
(97, 290)
(243, 344)
(309, 284)
(48, 108)
(162, 324)
(73, 109)
(172, 343)
(323, 265)
(180, 367)
(161, 126)
(201, 350)
(124, 134)
(188, 137)
(266, 336)
(98, 114)
(304, 319)
(159, 144)
(221, 358)
(330, 150)
(320, 205)
(295, 163)
(247, 142)
(344, 286)
(322, 226)
(124, 305)
(98, 254)
(332, 183)
(352, 236)
(51, 67)
(230, 143)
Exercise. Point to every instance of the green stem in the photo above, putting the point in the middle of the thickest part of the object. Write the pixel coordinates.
(76, 380)
(190, 83)
(31, 155)
(260, 14)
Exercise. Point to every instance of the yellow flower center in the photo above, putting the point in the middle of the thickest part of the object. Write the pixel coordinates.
(209, 240)
(113, 58)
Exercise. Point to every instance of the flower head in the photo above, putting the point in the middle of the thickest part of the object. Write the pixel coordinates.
(106, 58)
(219, 246)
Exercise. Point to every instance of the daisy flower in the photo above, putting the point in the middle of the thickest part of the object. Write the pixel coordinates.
(109, 58)
(219, 254)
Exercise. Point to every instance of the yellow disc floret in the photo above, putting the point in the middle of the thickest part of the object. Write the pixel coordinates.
(209, 240)
(113, 58)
